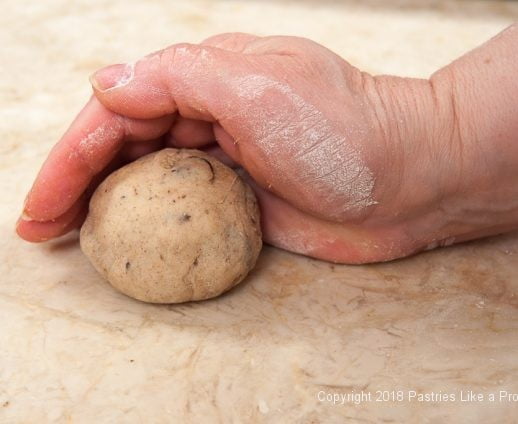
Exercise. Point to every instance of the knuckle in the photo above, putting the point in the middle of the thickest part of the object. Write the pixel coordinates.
(185, 56)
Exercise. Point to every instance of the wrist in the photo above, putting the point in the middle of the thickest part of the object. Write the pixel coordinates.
(454, 183)
(421, 132)
(481, 92)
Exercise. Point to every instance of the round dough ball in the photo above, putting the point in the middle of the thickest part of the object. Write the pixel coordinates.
(173, 226)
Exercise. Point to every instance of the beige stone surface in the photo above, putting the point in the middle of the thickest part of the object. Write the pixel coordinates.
(74, 350)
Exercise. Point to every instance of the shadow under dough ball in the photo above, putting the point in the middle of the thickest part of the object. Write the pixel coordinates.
(173, 226)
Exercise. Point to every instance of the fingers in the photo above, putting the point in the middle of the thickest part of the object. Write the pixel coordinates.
(91, 142)
(146, 130)
(251, 112)
(190, 79)
(162, 83)
(141, 83)
(133, 151)
(145, 89)
(190, 133)
(35, 231)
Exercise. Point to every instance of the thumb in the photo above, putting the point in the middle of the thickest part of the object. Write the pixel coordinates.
(187, 78)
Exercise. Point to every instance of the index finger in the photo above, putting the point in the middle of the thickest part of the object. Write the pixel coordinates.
(91, 142)
(88, 145)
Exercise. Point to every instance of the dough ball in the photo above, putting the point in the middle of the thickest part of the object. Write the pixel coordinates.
(173, 226)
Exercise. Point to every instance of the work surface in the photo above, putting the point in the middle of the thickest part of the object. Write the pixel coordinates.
(298, 330)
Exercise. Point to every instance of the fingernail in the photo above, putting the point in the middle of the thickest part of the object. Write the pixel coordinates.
(113, 76)
(25, 214)
(25, 217)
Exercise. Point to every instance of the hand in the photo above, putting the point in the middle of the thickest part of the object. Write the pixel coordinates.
(345, 165)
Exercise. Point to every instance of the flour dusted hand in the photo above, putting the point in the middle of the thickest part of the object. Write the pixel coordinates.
(347, 167)
(173, 226)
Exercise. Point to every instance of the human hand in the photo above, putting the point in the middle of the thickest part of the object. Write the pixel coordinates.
(345, 165)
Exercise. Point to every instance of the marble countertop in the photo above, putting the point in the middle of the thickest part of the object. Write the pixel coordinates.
(301, 340)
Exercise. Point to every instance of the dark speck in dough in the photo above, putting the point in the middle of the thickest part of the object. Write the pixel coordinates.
(185, 217)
